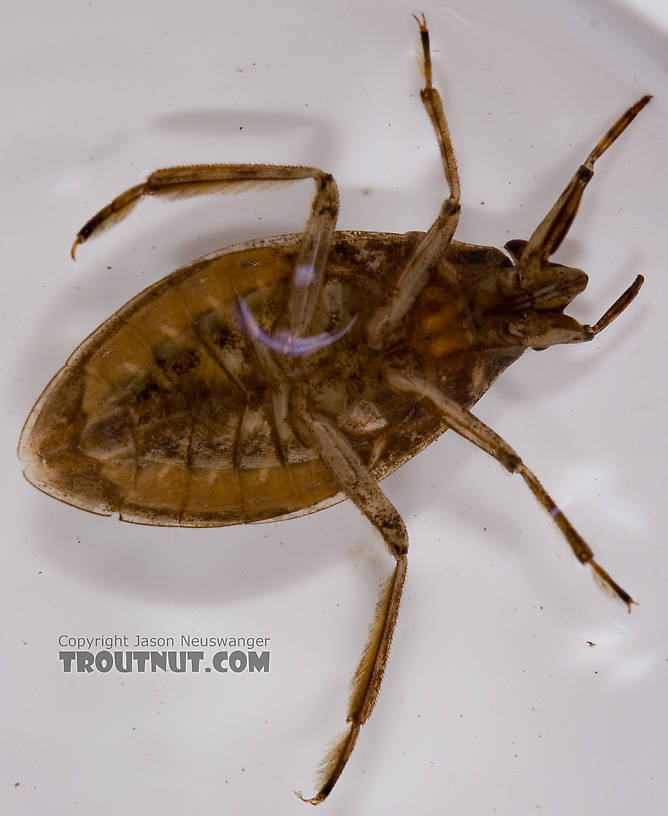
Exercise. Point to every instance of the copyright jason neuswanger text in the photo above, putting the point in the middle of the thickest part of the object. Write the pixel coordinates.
(183, 653)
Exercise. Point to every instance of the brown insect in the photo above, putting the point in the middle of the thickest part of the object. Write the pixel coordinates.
(277, 377)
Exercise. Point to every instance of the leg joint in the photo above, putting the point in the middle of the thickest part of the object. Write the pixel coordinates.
(584, 173)
(399, 550)
(510, 460)
(394, 532)
(451, 206)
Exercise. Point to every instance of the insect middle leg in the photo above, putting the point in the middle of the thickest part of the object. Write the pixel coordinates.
(469, 426)
(202, 179)
(355, 480)
(414, 276)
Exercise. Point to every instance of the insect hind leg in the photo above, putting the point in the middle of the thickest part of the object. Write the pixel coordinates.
(192, 180)
(357, 482)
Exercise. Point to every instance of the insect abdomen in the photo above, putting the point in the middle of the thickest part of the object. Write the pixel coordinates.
(163, 415)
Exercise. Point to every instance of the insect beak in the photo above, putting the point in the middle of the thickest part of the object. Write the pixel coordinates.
(556, 286)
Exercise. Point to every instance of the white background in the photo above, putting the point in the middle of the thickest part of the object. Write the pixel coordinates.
(493, 701)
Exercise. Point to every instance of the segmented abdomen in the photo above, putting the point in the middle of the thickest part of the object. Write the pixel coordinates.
(165, 415)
